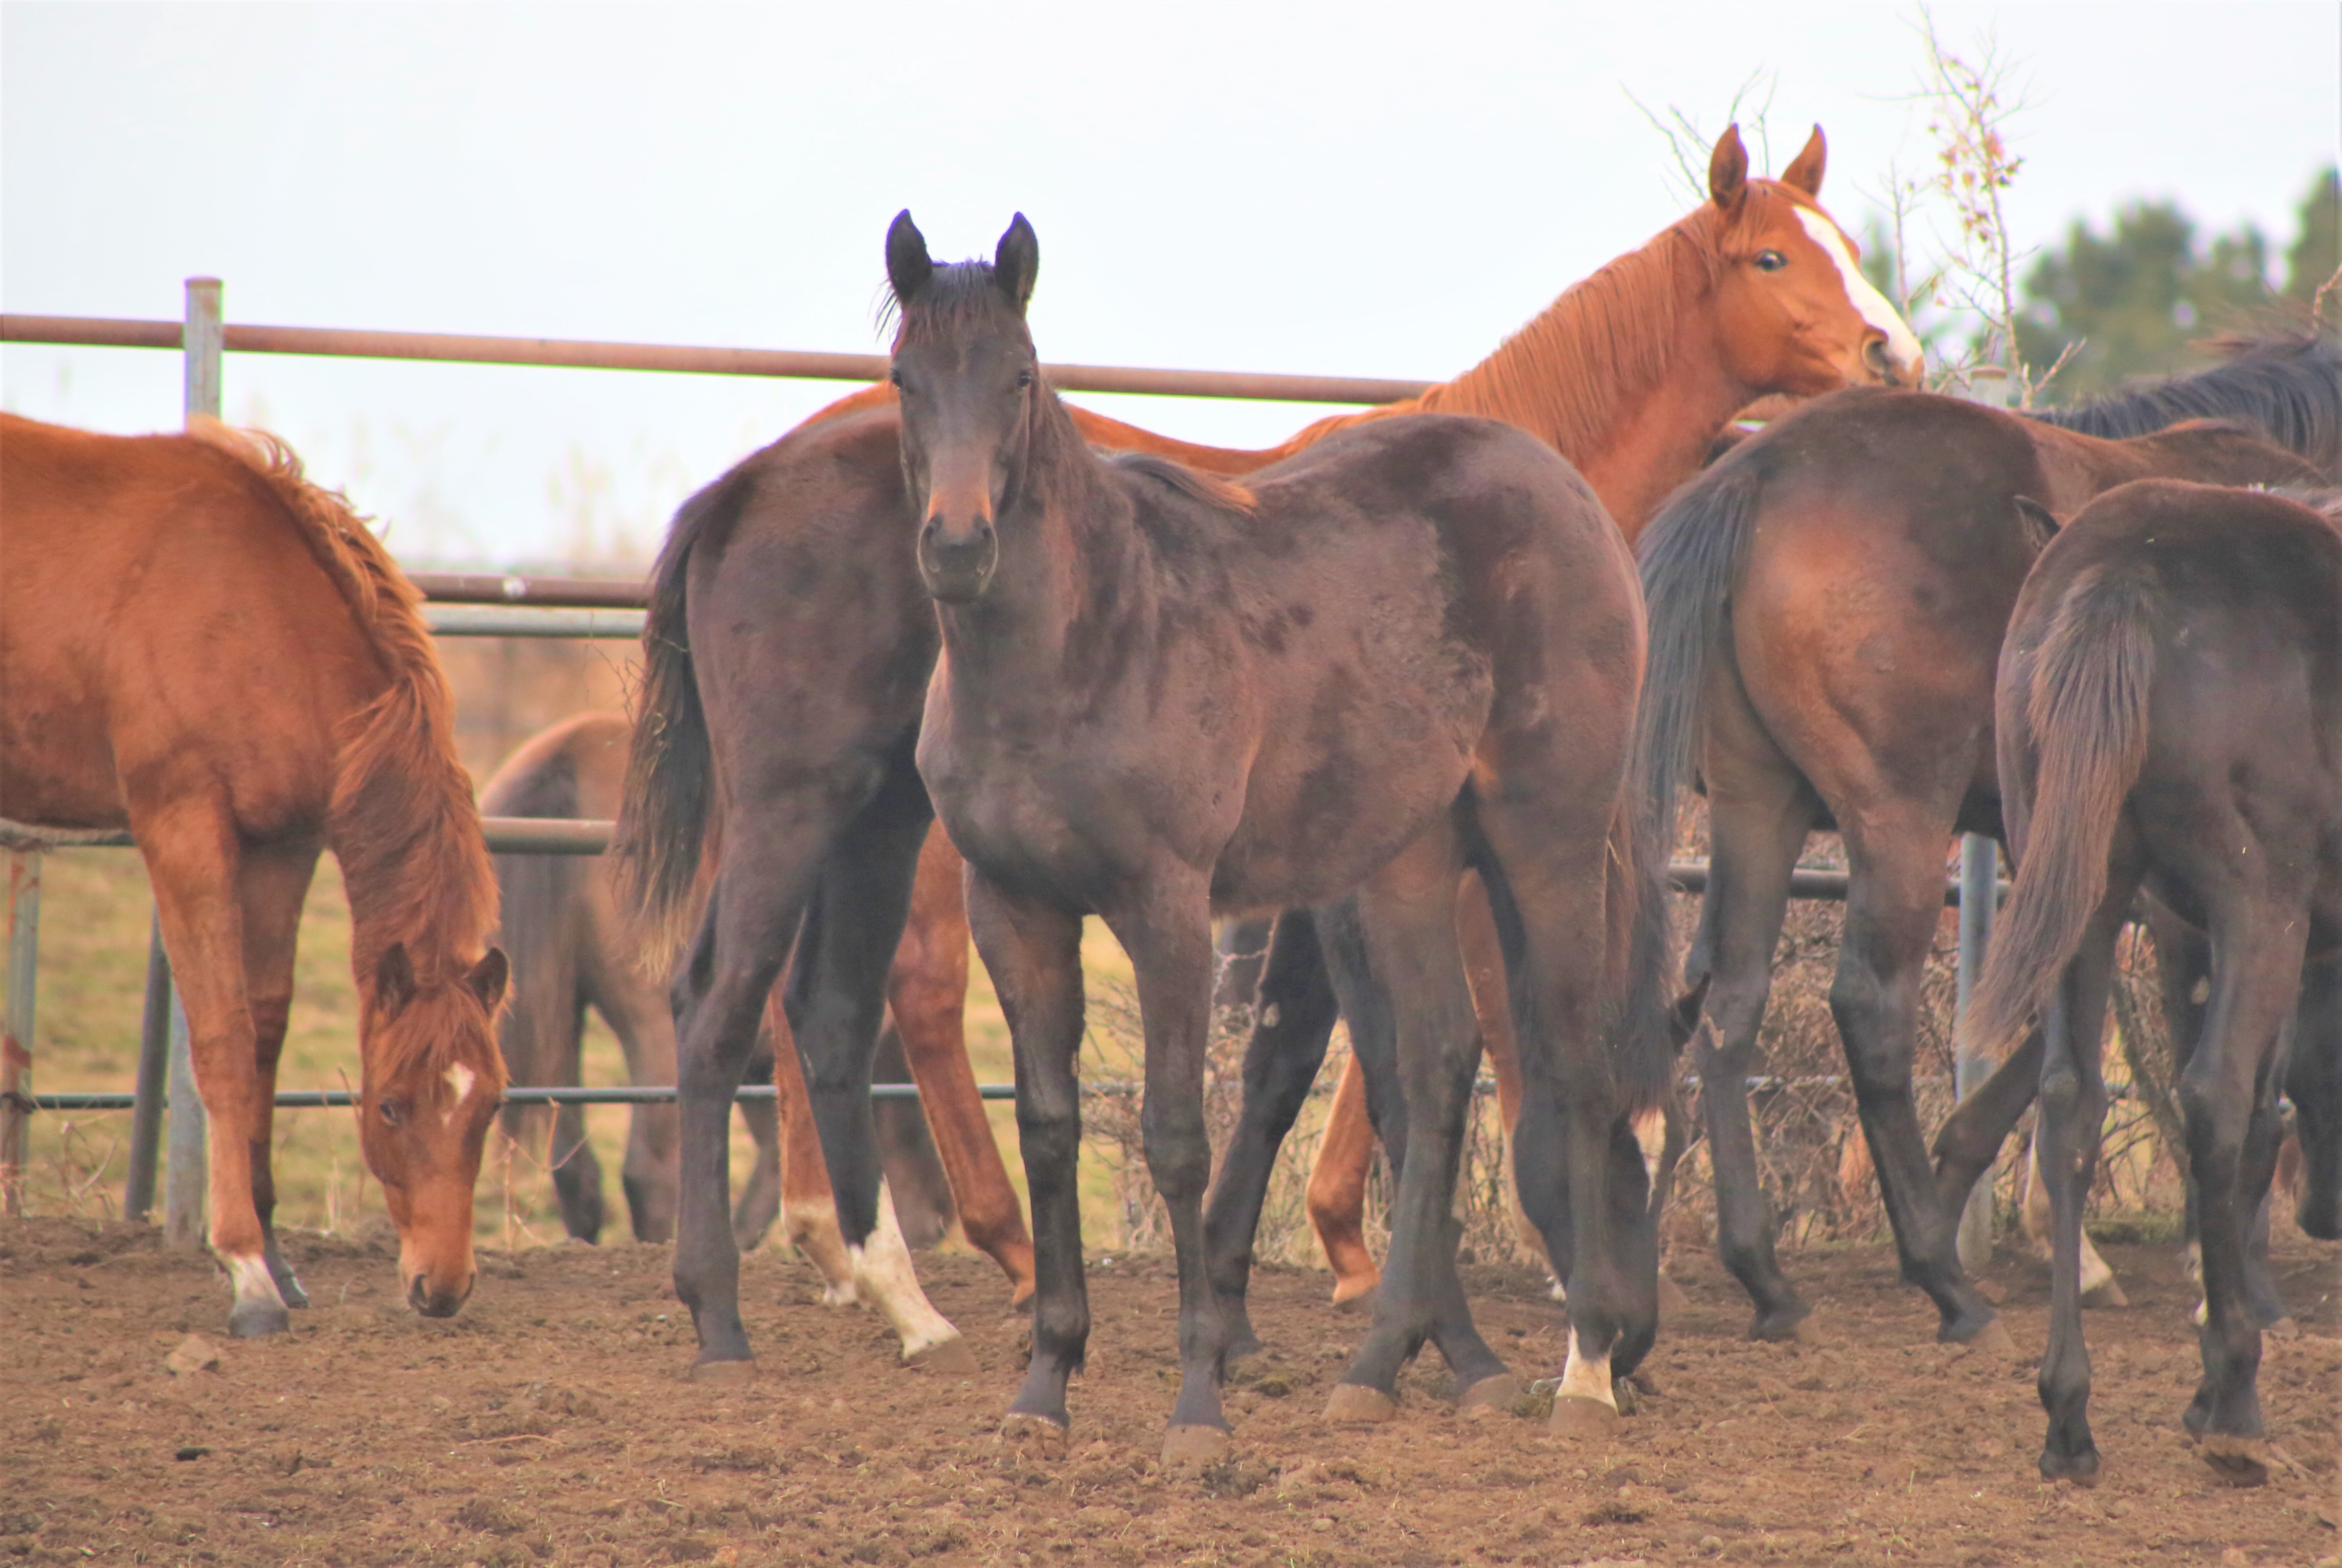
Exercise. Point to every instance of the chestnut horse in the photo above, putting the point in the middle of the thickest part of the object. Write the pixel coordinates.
(2169, 717)
(571, 950)
(1416, 646)
(1629, 374)
(200, 646)
(1826, 604)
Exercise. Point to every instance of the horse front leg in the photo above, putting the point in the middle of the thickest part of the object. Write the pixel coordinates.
(1292, 1021)
(272, 881)
(1033, 954)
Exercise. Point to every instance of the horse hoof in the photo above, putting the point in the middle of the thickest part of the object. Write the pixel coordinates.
(1194, 1447)
(1771, 1330)
(1357, 1301)
(722, 1373)
(2237, 1460)
(2080, 1469)
(2284, 1328)
(951, 1357)
(1021, 1303)
(1244, 1344)
(2109, 1294)
(1036, 1436)
(1578, 1417)
(257, 1320)
(1355, 1404)
(1672, 1299)
(1992, 1339)
(1495, 1395)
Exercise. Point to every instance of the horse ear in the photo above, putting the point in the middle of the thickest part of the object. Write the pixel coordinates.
(489, 977)
(1806, 172)
(393, 980)
(1727, 170)
(1017, 262)
(2040, 524)
(908, 266)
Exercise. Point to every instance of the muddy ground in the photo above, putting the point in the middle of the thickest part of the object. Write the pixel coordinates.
(550, 1422)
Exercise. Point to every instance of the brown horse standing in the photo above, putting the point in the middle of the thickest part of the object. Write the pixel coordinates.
(780, 749)
(1414, 647)
(2169, 712)
(1827, 606)
(200, 646)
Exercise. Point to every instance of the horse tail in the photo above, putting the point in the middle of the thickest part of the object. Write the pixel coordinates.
(1690, 554)
(667, 820)
(1643, 1046)
(401, 819)
(2086, 707)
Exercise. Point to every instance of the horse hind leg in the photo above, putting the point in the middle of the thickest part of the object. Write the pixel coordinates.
(801, 1178)
(1336, 1200)
(759, 1203)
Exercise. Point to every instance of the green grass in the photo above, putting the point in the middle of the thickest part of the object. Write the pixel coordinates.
(94, 916)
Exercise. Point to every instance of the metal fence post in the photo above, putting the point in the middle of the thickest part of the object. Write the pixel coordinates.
(1979, 896)
(204, 336)
(16, 1030)
(153, 1070)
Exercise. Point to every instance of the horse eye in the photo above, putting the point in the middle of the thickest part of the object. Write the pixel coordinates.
(1023, 379)
(895, 377)
(391, 1114)
(1771, 261)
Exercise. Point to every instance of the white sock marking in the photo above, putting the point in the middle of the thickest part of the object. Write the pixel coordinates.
(1902, 344)
(884, 1275)
(1583, 1377)
(253, 1281)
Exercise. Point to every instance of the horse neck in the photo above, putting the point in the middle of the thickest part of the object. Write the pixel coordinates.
(2080, 467)
(1622, 374)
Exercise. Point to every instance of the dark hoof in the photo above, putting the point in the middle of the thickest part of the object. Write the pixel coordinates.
(1355, 1404)
(1672, 1299)
(1579, 1418)
(1781, 1327)
(722, 1372)
(950, 1357)
(2237, 1460)
(2081, 1469)
(1992, 1339)
(1194, 1447)
(257, 1320)
(2108, 1295)
(1036, 1436)
(288, 1286)
(1495, 1395)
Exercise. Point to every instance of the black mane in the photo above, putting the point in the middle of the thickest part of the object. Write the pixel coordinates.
(2287, 388)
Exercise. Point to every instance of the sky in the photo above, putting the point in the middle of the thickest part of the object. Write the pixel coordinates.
(1359, 188)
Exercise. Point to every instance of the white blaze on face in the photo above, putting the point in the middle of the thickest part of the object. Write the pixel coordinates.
(1902, 345)
(1651, 1137)
(460, 1080)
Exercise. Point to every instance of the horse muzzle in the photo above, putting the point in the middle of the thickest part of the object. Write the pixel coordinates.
(439, 1300)
(956, 564)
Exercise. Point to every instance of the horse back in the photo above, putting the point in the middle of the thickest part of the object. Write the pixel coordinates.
(164, 616)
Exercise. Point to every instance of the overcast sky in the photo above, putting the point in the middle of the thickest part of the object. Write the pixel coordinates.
(1362, 188)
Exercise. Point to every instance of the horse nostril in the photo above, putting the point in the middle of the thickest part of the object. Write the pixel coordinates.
(1880, 362)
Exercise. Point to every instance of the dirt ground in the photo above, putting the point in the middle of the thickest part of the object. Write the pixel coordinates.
(550, 1422)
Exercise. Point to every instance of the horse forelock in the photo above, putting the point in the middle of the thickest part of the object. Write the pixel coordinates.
(400, 822)
(445, 1028)
(956, 298)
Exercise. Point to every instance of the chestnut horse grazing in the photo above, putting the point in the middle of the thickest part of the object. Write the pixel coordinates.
(1827, 605)
(2169, 713)
(572, 949)
(1414, 647)
(200, 646)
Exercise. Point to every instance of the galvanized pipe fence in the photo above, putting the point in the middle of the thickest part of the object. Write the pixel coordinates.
(490, 604)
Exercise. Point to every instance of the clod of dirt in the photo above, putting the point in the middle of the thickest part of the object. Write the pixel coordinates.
(193, 1354)
(193, 1451)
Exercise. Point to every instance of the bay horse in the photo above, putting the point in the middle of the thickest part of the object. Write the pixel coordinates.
(1162, 697)
(2169, 714)
(199, 645)
(777, 737)
(573, 949)
(1827, 603)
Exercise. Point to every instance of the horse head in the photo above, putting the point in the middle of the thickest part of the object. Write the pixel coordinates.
(1795, 313)
(434, 1080)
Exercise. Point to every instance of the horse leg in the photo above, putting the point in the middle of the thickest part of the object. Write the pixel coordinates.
(760, 1195)
(2228, 1092)
(1241, 956)
(1167, 928)
(1412, 988)
(2314, 1082)
(927, 989)
(1894, 901)
(1337, 1198)
(915, 1180)
(835, 999)
(647, 1175)
(1756, 829)
(764, 875)
(273, 883)
(1484, 967)
(800, 1176)
(193, 859)
(1033, 954)
(2065, 1146)
(1291, 1023)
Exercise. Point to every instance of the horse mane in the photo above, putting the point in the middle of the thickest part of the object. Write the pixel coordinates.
(402, 821)
(1606, 339)
(2287, 387)
(1210, 489)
